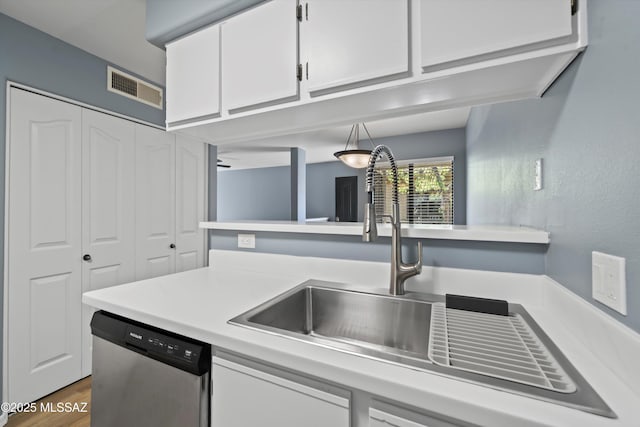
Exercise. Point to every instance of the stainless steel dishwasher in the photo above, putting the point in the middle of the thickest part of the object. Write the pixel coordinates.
(145, 376)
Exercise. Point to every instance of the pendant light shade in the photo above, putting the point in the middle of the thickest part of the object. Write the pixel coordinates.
(355, 157)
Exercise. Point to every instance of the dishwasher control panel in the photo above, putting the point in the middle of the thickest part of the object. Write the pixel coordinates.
(173, 349)
(162, 344)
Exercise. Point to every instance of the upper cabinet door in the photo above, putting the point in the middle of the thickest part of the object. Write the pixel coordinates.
(464, 29)
(193, 76)
(354, 42)
(260, 56)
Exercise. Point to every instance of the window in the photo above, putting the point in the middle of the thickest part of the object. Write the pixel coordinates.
(425, 190)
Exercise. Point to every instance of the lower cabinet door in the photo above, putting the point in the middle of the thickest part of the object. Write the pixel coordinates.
(382, 419)
(243, 396)
(383, 414)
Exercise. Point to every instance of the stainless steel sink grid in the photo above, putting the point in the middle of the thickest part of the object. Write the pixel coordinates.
(500, 346)
(397, 329)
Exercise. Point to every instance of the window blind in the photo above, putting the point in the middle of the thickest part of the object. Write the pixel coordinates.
(425, 191)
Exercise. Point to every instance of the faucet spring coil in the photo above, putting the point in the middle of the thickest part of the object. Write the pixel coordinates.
(375, 154)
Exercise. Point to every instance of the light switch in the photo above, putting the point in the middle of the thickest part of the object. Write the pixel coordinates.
(247, 241)
(609, 283)
(537, 185)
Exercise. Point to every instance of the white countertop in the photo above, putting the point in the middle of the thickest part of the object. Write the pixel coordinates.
(487, 233)
(199, 303)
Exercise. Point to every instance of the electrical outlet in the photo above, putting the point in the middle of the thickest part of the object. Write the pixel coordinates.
(247, 241)
(537, 185)
(609, 283)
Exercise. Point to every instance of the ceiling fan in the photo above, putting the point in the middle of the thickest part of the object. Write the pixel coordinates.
(221, 165)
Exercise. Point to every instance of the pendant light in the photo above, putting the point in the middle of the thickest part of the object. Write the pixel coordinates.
(355, 157)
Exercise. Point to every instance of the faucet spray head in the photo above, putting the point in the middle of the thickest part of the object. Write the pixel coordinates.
(370, 229)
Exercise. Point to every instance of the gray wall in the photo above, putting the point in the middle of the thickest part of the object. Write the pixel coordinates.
(264, 193)
(587, 129)
(33, 58)
(512, 257)
(321, 190)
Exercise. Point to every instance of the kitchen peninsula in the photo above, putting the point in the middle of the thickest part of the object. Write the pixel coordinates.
(199, 303)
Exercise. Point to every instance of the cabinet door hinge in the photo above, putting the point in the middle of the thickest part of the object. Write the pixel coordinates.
(574, 7)
(299, 12)
(299, 72)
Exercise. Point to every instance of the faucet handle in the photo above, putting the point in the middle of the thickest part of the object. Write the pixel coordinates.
(418, 264)
(369, 227)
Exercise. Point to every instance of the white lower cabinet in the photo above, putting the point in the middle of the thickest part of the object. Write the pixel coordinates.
(382, 419)
(384, 415)
(244, 395)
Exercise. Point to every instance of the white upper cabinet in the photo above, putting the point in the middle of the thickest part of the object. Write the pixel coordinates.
(364, 60)
(464, 29)
(354, 42)
(193, 76)
(260, 56)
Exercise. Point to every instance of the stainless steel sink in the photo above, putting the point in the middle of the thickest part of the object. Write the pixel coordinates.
(396, 329)
(384, 324)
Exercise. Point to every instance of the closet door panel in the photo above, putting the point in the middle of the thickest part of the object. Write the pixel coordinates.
(108, 206)
(44, 245)
(190, 209)
(155, 202)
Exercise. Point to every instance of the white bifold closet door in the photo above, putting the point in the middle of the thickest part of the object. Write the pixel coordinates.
(91, 204)
(190, 203)
(44, 265)
(155, 203)
(170, 203)
(108, 210)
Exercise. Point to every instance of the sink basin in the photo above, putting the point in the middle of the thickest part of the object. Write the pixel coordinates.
(397, 330)
(375, 322)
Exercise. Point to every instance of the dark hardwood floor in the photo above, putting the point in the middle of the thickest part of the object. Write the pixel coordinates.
(49, 412)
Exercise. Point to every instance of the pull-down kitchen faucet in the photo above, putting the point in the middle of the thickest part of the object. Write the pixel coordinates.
(399, 271)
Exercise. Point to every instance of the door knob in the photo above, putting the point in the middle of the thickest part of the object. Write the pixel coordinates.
(172, 246)
(87, 257)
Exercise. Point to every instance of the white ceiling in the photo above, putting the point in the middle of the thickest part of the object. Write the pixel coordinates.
(115, 31)
(111, 29)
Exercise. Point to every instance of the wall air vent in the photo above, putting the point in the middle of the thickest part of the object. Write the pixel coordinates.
(134, 88)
